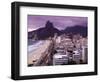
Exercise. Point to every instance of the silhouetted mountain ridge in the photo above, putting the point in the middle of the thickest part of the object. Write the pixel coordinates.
(49, 30)
(82, 30)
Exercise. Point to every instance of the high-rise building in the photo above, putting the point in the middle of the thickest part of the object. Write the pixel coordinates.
(84, 54)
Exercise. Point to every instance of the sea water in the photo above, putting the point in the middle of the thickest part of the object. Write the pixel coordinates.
(35, 45)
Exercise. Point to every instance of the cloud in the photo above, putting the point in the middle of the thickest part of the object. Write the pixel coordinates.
(60, 22)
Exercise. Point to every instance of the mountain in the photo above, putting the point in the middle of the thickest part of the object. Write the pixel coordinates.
(76, 30)
(42, 33)
(49, 30)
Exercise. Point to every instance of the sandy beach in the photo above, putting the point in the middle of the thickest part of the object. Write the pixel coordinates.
(35, 55)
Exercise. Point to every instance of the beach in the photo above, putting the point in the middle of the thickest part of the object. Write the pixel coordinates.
(36, 54)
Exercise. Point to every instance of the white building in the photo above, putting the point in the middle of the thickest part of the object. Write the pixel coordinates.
(58, 40)
(76, 56)
(59, 59)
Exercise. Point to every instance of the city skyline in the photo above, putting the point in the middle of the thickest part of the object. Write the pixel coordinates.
(57, 40)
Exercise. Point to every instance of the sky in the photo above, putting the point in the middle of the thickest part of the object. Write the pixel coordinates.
(60, 22)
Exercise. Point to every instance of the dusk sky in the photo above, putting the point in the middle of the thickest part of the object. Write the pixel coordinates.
(59, 22)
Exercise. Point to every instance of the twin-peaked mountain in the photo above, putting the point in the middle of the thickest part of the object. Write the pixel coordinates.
(42, 33)
(49, 30)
